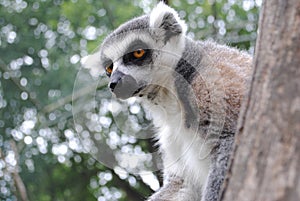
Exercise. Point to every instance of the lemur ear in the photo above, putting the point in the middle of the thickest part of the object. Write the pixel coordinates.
(93, 63)
(166, 18)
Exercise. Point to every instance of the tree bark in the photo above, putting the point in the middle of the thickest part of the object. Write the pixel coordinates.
(266, 160)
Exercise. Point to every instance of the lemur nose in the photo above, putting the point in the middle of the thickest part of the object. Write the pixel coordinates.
(112, 85)
(116, 78)
(123, 85)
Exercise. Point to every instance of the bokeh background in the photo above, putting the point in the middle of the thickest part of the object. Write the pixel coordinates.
(44, 154)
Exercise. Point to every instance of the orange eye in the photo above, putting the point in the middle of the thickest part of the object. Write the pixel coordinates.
(109, 69)
(139, 53)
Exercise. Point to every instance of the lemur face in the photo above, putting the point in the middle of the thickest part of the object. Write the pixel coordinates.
(141, 53)
(128, 60)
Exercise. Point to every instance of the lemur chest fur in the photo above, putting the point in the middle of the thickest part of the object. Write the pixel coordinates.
(183, 149)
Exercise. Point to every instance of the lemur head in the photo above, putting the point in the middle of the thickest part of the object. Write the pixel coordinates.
(142, 52)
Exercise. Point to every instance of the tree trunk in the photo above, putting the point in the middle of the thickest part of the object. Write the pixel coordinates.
(266, 159)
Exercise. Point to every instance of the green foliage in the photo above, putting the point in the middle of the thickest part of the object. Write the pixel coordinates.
(41, 44)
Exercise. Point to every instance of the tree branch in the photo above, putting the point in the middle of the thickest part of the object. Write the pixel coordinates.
(16, 176)
(16, 81)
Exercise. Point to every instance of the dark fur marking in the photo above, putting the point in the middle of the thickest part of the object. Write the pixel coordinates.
(186, 70)
(184, 74)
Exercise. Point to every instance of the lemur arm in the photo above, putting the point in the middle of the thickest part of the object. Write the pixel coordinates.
(219, 166)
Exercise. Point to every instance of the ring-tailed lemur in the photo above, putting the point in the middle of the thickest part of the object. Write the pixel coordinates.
(192, 88)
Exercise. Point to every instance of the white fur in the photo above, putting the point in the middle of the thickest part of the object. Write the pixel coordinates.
(181, 146)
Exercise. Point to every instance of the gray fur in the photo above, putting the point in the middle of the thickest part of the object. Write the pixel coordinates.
(138, 23)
